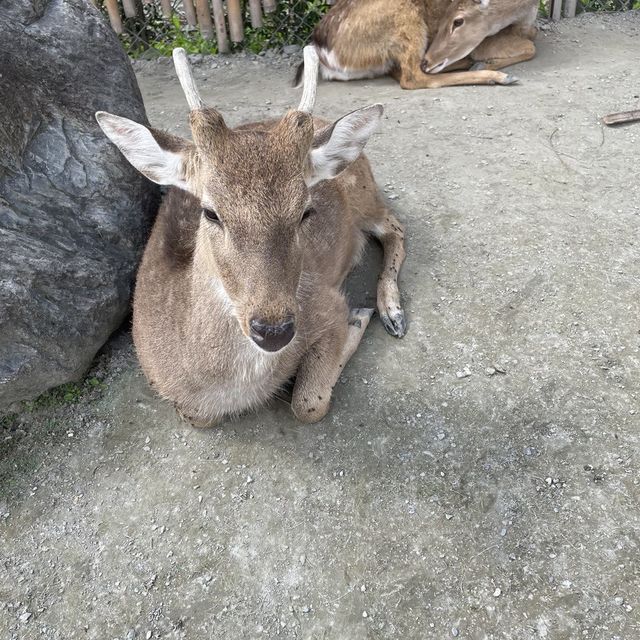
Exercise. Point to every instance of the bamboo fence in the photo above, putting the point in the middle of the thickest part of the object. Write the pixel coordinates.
(225, 16)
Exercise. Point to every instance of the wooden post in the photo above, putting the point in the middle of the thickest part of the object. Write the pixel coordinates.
(255, 10)
(570, 8)
(269, 6)
(204, 19)
(114, 15)
(129, 7)
(234, 14)
(221, 29)
(190, 13)
(166, 8)
(555, 10)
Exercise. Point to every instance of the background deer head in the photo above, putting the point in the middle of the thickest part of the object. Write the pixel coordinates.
(463, 27)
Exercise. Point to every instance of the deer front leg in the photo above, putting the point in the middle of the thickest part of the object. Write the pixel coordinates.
(390, 233)
(410, 75)
(322, 365)
(504, 49)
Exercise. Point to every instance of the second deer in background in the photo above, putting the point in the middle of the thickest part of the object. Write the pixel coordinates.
(414, 40)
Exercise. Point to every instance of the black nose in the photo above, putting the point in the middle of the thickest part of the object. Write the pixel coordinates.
(272, 337)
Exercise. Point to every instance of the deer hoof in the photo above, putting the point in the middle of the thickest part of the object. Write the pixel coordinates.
(509, 79)
(395, 323)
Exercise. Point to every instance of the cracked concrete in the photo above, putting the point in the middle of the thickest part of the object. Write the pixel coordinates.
(477, 479)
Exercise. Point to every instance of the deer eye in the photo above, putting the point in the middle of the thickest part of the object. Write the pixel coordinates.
(309, 211)
(458, 22)
(211, 215)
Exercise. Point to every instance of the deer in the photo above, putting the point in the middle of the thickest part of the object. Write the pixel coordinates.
(415, 40)
(239, 290)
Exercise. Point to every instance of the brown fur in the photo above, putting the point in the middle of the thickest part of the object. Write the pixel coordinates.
(191, 336)
(365, 38)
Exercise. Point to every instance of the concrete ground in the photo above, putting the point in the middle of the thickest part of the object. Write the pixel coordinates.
(478, 479)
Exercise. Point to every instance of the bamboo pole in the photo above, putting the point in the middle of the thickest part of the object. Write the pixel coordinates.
(255, 10)
(234, 14)
(269, 5)
(204, 19)
(189, 12)
(129, 7)
(114, 15)
(221, 29)
(166, 8)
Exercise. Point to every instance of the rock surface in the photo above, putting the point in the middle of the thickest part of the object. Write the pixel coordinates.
(73, 212)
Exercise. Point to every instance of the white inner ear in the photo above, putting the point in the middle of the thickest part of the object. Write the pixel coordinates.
(140, 148)
(345, 144)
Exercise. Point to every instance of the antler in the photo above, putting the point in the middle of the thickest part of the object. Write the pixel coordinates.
(183, 71)
(311, 64)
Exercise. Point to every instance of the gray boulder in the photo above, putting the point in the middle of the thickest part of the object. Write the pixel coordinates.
(74, 214)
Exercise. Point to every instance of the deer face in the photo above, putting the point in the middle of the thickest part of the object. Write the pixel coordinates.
(254, 189)
(463, 27)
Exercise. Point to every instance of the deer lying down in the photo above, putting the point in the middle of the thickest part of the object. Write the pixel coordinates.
(240, 284)
(369, 38)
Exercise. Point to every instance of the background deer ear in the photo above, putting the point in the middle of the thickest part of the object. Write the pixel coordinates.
(159, 156)
(335, 147)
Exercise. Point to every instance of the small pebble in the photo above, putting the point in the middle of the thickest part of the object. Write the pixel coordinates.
(454, 632)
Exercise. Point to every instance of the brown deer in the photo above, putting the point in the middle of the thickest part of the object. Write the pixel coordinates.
(413, 40)
(239, 288)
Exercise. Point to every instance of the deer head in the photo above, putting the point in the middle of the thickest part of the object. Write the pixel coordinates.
(254, 186)
(463, 27)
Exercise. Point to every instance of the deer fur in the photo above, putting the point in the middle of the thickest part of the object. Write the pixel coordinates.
(240, 286)
(414, 40)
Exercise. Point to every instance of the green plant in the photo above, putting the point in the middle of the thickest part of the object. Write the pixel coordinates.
(291, 23)
(162, 36)
(150, 33)
(69, 393)
(8, 421)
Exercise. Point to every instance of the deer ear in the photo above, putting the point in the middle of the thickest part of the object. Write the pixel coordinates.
(158, 156)
(335, 147)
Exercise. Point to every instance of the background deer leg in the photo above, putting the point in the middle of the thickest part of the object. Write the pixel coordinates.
(390, 233)
(324, 362)
(410, 76)
(504, 49)
(461, 65)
